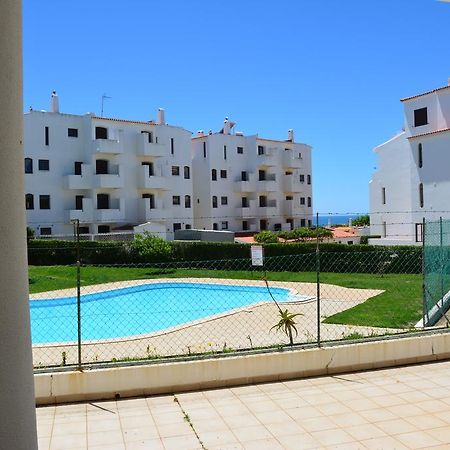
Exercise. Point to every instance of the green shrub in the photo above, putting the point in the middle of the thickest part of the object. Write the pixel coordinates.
(265, 237)
(149, 248)
(30, 234)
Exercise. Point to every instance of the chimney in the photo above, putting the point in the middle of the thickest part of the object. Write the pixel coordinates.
(200, 133)
(54, 102)
(226, 126)
(290, 135)
(448, 81)
(161, 120)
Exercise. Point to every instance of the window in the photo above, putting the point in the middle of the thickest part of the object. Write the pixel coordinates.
(224, 200)
(263, 224)
(260, 150)
(421, 195)
(44, 202)
(101, 166)
(72, 132)
(102, 229)
(44, 164)
(79, 202)
(308, 178)
(245, 225)
(214, 175)
(289, 197)
(420, 156)
(383, 196)
(261, 175)
(290, 222)
(47, 136)
(45, 231)
(225, 152)
(244, 176)
(149, 136)
(309, 202)
(204, 149)
(262, 201)
(176, 226)
(214, 201)
(175, 200)
(309, 223)
(29, 201)
(175, 170)
(149, 166)
(223, 174)
(224, 225)
(215, 226)
(187, 201)
(302, 178)
(302, 200)
(84, 230)
(172, 146)
(277, 227)
(151, 199)
(101, 133)
(288, 172)
(77, 167)
(286, 149)
(28, 165)
(103, 202)
(302, 222)
(420, 117)
(384, 229)
(187, 172)
(244, 202)
(188, 226)
(240, 150)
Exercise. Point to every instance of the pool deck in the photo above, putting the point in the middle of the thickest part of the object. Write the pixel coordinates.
(239, 328)
(400, 408)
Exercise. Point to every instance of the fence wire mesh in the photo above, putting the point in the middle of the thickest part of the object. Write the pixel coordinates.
(140, 311)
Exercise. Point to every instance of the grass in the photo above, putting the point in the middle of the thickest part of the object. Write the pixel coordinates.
(400, 306)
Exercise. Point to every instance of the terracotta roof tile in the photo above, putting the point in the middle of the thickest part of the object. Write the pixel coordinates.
(405, 99)
(429, 133)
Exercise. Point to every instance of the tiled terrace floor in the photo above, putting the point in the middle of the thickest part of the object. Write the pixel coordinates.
(400, 408)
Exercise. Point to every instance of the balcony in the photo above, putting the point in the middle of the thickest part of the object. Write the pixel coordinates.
(83, 181)
(291, 159)
(115, 213)
(249, 211)
(110, 180)
(145, 148)
(291, 183)
(267, 159)
(158, 213)
(268, 185)
(85, 215)
(104, 146)
(147, 181)
(245, 186)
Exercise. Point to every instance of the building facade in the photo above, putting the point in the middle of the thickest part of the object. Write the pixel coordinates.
(412, 182)
(110, 174)
(247, 183)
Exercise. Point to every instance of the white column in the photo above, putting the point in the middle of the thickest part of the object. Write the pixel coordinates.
(17, 403)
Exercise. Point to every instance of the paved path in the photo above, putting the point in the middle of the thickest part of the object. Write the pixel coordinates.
(400, 408)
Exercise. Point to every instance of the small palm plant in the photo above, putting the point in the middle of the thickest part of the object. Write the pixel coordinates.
(287, 324)
(287, 319)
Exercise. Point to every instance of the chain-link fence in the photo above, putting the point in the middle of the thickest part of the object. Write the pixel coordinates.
(116, 313)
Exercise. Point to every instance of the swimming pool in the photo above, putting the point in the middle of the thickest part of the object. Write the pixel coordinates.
(140, 309)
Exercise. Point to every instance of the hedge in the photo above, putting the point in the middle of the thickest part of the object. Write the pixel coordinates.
(232, 256)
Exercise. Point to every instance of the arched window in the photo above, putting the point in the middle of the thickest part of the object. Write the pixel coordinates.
(28, 165)
(187, 172)
(214, 174)
(214, 201)
(29, 201)
(187, 201)
(419, 155)
(421, 195)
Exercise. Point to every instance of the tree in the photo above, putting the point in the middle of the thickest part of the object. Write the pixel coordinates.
(151, 248)
(266, 237)
(361, 221)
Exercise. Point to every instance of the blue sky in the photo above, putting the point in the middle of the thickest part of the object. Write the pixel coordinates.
(334, 71)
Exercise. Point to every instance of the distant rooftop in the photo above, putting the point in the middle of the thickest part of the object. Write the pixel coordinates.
(425, 93)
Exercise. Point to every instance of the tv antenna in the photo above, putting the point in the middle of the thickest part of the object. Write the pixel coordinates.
(104, 96)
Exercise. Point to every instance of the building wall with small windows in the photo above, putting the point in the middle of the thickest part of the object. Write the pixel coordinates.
(412, 182)
(246, 183)
(110, 174)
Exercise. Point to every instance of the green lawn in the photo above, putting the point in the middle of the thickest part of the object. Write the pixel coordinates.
(400, 306)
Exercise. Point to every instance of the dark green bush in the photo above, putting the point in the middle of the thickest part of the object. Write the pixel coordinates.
(266, 237)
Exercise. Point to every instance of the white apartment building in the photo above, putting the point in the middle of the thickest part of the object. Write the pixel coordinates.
(412, 182)
(109, 173)
(249, 183)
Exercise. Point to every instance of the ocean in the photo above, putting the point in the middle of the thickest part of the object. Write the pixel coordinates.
(334, 219)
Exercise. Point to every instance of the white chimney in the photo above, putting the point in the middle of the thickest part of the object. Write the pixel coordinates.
(161, 120)
(226, 126)
(54, 103)
(200, 133)
(448, 81)
(290, 135)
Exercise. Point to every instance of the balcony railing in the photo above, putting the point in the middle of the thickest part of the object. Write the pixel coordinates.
(145, 148)
(84, 215)
(115, 213)
(158, 213)
(83, 181)
(156, 181)
(112, 146)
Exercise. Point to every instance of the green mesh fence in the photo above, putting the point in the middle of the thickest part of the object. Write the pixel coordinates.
(436, 272)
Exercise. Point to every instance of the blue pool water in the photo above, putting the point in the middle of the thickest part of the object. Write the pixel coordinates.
(139, 309)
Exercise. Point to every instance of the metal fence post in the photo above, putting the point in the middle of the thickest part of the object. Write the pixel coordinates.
(76, 224)
(424, 291)
(318, 278)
